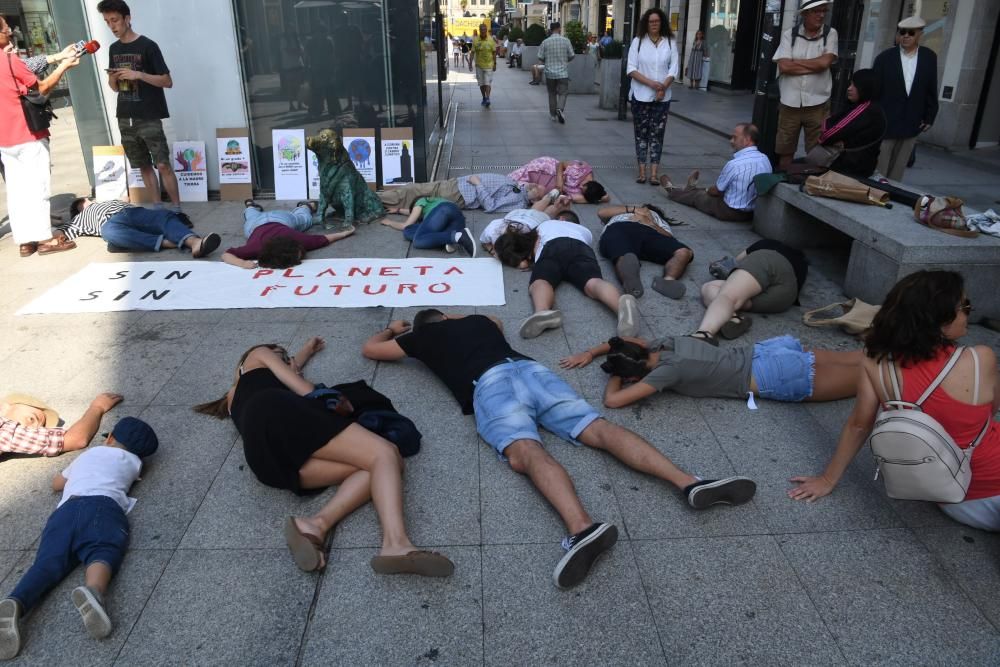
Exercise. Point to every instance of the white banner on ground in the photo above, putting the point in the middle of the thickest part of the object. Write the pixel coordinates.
(289, 148)
(191, 169)
(316, 283)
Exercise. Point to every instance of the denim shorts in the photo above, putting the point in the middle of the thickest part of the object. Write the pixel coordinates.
(513, 398)
(783, 370)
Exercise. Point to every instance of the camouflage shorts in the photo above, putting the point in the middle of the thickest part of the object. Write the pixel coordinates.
(144, 141)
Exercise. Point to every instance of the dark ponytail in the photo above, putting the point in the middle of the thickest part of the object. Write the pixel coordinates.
(626, 359)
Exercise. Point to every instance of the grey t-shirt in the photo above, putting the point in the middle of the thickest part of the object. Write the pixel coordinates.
(694, 368)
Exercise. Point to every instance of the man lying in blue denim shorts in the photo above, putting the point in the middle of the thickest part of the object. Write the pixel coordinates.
(511, 395)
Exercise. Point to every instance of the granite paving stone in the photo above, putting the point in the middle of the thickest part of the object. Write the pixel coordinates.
(854, 578)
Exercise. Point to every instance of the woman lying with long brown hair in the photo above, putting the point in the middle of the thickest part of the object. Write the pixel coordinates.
(295, 442)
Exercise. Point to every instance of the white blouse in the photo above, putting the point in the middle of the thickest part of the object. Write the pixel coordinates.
(654, 61)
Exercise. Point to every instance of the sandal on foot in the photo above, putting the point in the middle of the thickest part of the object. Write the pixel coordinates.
(250, 203)
(95, 619)
(735, 327)
(424, 563)
(641, 179)
(207, 246)
(313, 206)
(672, 289)
(654, 180)
(704, 337)
(307, 550)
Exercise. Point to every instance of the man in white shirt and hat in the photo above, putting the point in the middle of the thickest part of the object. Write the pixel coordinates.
(804, 57)
(908, 94)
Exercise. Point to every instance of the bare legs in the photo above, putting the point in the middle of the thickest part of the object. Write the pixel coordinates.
(633, 451)
(724, 298)
(368, 466)
(550, 478)
(96, 577)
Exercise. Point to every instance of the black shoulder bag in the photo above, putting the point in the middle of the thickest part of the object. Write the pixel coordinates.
(38, 113)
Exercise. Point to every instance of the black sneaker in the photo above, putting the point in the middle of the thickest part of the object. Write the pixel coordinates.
(729, 491)
(582, 550)
(560, 116)
(465, 241)
(117, 248)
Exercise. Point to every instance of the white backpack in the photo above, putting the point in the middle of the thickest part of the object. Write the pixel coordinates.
(917, 458)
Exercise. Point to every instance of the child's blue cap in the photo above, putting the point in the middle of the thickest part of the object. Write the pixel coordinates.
(136, 436)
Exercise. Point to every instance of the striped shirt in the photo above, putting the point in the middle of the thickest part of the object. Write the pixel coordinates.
(16, 438)
(736, 179)
(556, 52)
(90, 220)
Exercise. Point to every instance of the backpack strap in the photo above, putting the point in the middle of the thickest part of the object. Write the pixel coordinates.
(881, 380)
(896, 391)
(975, 375)
(941, 376)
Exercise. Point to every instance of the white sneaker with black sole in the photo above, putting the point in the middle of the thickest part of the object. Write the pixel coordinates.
(729, 491)
(582, 550)
(464, 240)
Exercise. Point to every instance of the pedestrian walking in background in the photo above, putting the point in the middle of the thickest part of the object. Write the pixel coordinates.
(556, 52)
(484, 52)
(907, 79)
(652, 66)
(804, 57)
(696, 63)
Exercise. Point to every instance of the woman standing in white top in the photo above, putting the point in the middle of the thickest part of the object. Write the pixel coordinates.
(652, 66)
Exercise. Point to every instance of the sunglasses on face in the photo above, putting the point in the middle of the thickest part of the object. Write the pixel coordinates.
(903, 32)
(965, 306)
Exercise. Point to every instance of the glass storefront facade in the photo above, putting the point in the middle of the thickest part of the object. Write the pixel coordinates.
(33, 31)
(315, 64)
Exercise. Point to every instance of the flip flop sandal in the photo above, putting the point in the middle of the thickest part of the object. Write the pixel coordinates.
(307, 550)
(654, 180)
(641, 179)
(250, 203)
(705, 337)
(208, 245)
(424, 563)
(736, 327)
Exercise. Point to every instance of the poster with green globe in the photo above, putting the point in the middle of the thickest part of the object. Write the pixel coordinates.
(191, 168)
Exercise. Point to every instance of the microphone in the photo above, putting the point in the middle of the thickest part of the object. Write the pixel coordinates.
(87, 47)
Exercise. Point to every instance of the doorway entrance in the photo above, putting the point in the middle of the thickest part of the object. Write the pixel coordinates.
(732, 30)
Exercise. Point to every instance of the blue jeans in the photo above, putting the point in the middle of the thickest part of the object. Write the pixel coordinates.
(138, 228)
(300, 219)
(512, 398)
(437, 228)
(783, 370)
(85, 529)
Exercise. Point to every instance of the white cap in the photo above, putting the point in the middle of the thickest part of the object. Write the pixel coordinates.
(913, 22)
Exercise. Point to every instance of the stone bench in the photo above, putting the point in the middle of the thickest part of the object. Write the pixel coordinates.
(887, 244)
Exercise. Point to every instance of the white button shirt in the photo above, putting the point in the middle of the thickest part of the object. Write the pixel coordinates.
(909, 67)
(654, 61)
